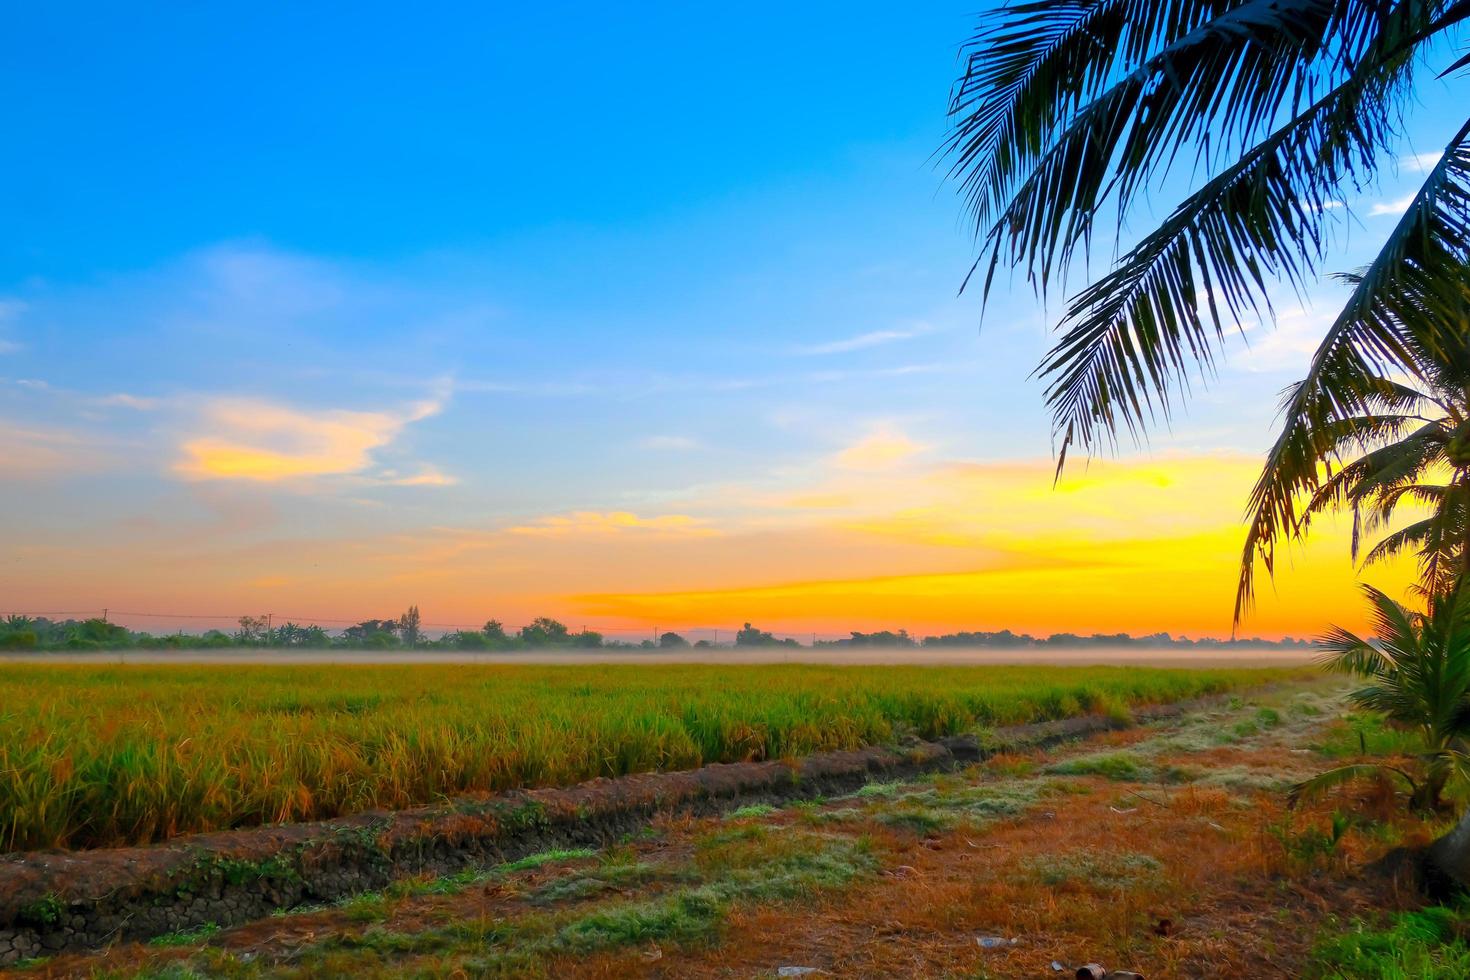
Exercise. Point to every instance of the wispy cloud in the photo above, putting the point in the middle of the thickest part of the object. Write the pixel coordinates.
(883, 447)
(1286, 345)
(1394, 207)
(862, 341)
(138, 403)
(673, 443)
(41, 451)
(1421, 162)
(255, 440)
(589, 523)
(425, 476)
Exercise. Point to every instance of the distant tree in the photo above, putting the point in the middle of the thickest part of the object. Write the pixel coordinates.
(671, 640)
(749, 636)
(494, 630)
(375, 632)
(544, 631)
(468, 640)
(408, 626)
(587, 638)
(883, 638)
(703, 645)
(295, 635)
(252, 629)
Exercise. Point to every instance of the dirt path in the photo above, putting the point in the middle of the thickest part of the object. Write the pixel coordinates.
(1163, 849)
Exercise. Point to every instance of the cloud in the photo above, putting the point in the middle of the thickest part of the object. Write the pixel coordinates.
(882, 448)
(31, 452)
(427, 476)
(1422, 162)
(1286, 345)
(874, 338)
(255, 440)
(591, 523)
(681, 443)
(123, 400)
(1394, 207)
(8, 346)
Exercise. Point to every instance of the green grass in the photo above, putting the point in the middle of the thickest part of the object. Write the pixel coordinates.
(753, 810)
(1094, 869)
(100, 756)
(191, 937)
(1368, 734)
(732, 867)
(1425, 945)
(1122, 766)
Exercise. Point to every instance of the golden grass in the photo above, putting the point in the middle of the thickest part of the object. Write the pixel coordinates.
(95, 756)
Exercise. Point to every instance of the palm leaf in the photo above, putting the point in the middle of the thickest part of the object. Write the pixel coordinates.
(1320, 784)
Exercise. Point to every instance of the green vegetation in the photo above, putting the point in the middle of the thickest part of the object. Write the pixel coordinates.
(191, 937)
(1095, 869)
(1428, 944)
(22, 634)
(729, 870)
(753, 810)
(1418, 673)
(1122, 766)
(94, 756)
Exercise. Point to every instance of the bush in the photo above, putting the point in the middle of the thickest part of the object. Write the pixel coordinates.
(18, 640)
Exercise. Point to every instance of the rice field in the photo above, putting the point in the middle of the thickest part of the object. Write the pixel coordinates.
(96, 757)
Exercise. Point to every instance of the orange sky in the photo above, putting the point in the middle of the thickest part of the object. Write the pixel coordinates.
(881, 534)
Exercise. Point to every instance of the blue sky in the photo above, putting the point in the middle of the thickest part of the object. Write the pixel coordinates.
(469, 273)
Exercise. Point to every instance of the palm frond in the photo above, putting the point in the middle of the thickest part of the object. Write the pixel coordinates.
(1317, 785)
(1412, 298)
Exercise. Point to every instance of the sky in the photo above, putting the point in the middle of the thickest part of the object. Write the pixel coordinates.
(640, 316)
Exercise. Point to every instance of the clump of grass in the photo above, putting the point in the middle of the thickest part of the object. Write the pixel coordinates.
(100, 756)
(1366, 734)
(1428, 944)
(365, 907)
(608, 878)
(884, 790)
(188, 937)
(750, 811)
(1109, 871)
(1122, 766)
(531, 861)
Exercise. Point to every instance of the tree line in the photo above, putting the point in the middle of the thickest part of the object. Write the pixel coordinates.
(406, 633)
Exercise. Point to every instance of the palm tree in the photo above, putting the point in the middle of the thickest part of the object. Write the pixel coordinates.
(1418, 669)
(1070, 113)
(1403, 440)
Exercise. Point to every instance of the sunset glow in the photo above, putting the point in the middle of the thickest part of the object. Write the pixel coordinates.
(724, 375)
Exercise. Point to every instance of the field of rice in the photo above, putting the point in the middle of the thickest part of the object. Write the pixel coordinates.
(95, 757)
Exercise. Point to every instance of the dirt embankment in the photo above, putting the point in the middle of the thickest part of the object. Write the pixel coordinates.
(52, 902)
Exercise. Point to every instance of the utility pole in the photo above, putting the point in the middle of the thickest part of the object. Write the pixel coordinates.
(104, 614)
(270, 619)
